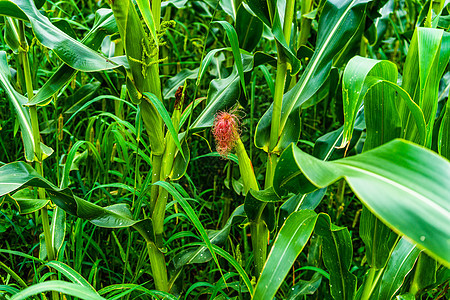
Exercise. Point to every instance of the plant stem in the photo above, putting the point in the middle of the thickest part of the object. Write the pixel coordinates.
(278, 98)
(289, 17)
(368, 284)
(158, 264)
(278, 94)
(167, 159)
(36, 135)
(260, 237)
(158, 217)
(156, 175)
(37, 142)
(305, 23)
(258, 228)
(276, 114)
(165, 49)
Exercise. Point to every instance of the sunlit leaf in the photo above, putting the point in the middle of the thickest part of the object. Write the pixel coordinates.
(401, 183)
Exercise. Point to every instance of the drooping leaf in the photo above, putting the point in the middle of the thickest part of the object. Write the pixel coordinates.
(26, 201)
(192, 216)
(305, 287)
(216, 237)
(71, 51)
(104, 25)
(12, 34)
(375, 82)
(381, 23)
(229, 7)
(175, 3)
(18, 101)
(401, 183)
(17, 175)
(70, 274)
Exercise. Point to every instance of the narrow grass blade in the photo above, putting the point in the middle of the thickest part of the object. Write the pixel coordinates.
(167, 120)
(234, 42)
(192, 216)
(70, 274)
(64, 287)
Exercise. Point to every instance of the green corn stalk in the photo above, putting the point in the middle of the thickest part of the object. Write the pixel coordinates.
(142, 52)
(258, 228)
(38, 157)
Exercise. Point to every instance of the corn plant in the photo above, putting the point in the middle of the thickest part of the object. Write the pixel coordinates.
(300, 133)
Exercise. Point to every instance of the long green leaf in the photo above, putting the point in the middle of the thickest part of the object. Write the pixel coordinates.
(166, 118)
(70, 273)
(400, 263)
(26, 201)
(131, 286)
(404, 185)
(222, 93)
(236, 265)
(72, 52)
(178, 80)
(58, 229)
(146, 11)
(234, 42)
(64, 287)
(374, 82)
(216, 237)
(290, 241)
(427, 58)
(337, 257)
(248, 28)
(444, 134)
(18, 101)
(104, 25)
(273, 20)
(18, 175)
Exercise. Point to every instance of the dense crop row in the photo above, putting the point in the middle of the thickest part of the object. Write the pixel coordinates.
(256, 149)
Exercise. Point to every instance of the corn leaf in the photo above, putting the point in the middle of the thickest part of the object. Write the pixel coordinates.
(404, 185)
